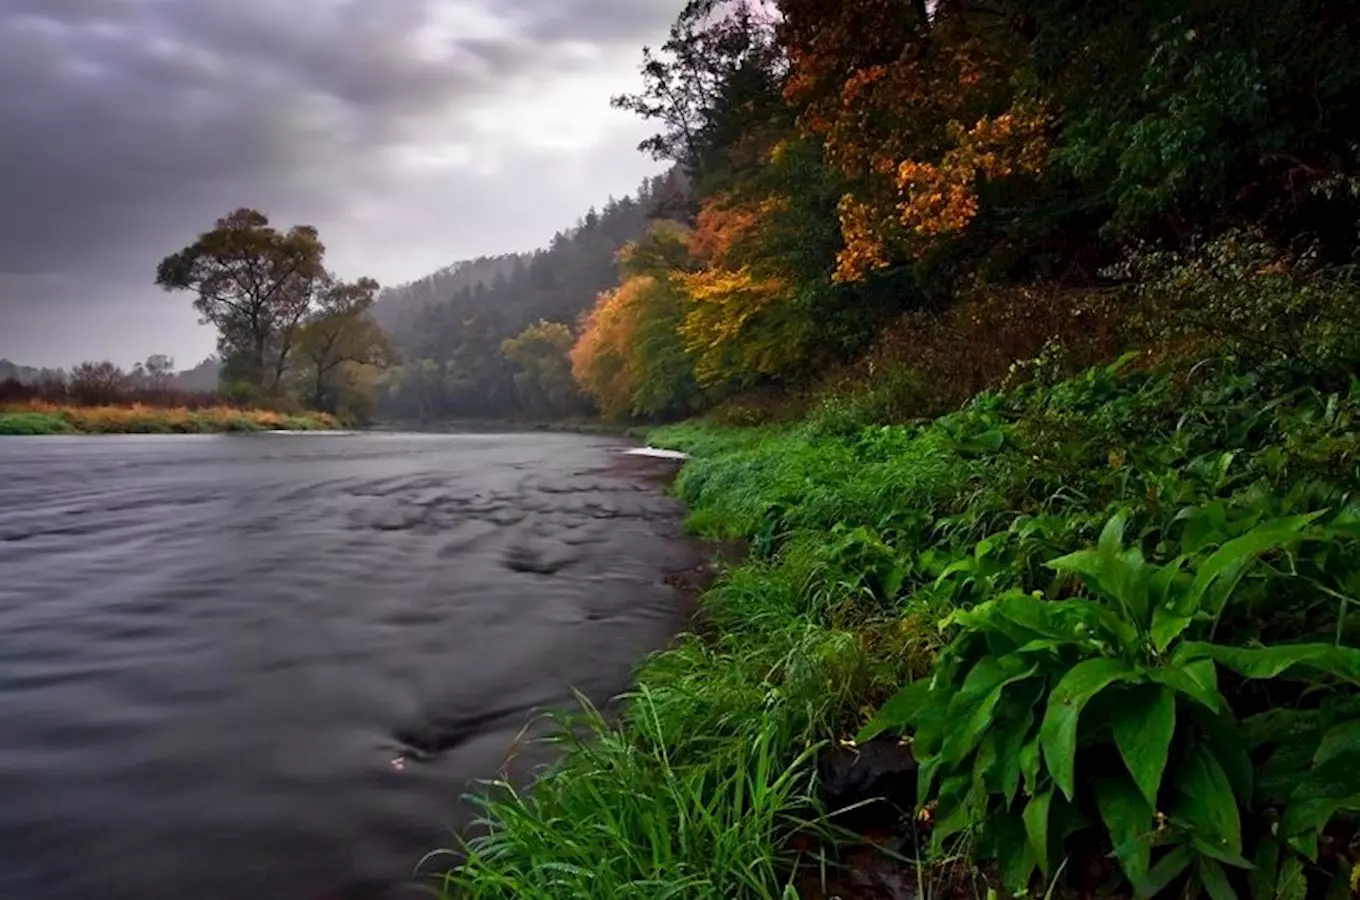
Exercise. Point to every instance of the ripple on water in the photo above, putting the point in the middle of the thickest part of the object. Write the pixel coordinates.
(215, 649)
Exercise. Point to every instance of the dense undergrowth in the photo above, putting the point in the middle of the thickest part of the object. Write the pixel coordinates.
(42, 418)
(1114, 611)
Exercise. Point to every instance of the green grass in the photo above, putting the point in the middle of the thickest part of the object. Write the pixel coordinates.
(32, 424)
(41, 418)
(635, 816)
(864, 539)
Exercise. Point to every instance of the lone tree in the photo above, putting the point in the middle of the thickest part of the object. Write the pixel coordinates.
(257, 286)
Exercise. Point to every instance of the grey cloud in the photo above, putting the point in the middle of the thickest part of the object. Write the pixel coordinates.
(128, 125)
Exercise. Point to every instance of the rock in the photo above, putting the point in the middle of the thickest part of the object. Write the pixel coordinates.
(883, 768)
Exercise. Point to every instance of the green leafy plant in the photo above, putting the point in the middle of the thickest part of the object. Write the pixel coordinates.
(1103, 703)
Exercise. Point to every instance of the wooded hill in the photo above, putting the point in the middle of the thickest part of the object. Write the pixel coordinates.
(450, 326)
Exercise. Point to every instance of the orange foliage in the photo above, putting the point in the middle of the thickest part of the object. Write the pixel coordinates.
(598, 358)
(623, 358)
(890, 93)
(722, 227)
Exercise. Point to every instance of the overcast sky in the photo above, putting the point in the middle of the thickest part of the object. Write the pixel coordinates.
(412, 133)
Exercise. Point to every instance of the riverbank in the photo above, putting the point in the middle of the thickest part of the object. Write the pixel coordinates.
(46, 419)
(1093, 602)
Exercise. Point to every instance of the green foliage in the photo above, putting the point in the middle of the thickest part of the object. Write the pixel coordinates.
(450, 326)
(544, 381)
(694, 794)
(1181, 564)
(32, 423)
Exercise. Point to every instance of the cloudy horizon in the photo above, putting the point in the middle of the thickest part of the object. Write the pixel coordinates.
(411, 133)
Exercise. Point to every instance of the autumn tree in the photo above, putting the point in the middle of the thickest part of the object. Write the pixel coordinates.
(338, 337)
(919, 105)
(256, 285)
(630, 358)
(543, 378)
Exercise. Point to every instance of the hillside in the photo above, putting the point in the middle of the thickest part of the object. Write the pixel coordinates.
(449, 326)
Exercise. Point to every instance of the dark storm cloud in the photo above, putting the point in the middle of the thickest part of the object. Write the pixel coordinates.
(128, 125)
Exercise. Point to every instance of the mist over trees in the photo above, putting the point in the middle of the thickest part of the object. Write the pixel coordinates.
(453, 329)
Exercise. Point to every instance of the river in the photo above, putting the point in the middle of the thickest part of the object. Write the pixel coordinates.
(267, 667)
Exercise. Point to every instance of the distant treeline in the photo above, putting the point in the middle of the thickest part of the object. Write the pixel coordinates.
(150, 383)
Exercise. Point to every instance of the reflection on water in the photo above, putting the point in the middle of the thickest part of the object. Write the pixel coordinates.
(268, 666)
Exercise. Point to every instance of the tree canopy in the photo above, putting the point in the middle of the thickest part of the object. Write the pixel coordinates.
(269, 294)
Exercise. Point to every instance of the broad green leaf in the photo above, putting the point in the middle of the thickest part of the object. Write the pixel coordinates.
(1089, 563)
(1112, 536)
(1159, 877)
(1208, 806)
(1197, 680)
(1267, 868)
(1036, 827)
(988, 440)
(1215, 880)
(898, 711)
(1219, 575)
(1058, 734)
(1170, 618)
(1304, 820)
(961, 805)
(961, 742)
(1291, 884)
(1232, 751)
(1162, 601)
(1002, 775)
(1129, 820)
(1340, 742)
(1144, 722)
(1268, 662)
(1011, 846)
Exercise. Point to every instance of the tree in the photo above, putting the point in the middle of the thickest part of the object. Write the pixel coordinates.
(544, 380)
(712, 46)
(97, 384)
(629, 357)
(256, 285)
(919, 105)
(339, 335)
(158, 370)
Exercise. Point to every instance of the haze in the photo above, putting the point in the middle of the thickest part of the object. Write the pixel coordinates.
(412, 133)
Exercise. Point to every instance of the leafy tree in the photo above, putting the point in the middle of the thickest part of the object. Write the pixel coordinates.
(338, 337)
(256, 285)
(630, 357)
(544, 380)
(159, 369)
(97, 383)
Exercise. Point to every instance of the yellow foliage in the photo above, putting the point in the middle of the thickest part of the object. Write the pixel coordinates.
(628, 357)
(716, 331)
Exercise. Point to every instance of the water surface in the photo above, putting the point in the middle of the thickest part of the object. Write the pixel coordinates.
(268, 666)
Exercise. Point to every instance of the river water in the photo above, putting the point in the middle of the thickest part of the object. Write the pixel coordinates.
(269, 666)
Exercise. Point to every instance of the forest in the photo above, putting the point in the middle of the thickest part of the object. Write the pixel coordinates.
(1017, 346)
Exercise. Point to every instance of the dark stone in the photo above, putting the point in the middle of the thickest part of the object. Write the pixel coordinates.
(881, 769)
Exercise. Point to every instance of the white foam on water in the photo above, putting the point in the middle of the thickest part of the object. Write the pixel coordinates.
(657, 453)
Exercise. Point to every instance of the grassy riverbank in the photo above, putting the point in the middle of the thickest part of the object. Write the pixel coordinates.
(1129, 591)
(43, 418)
